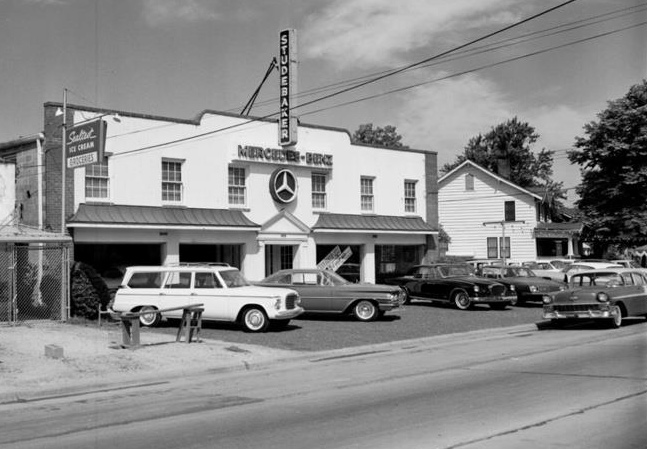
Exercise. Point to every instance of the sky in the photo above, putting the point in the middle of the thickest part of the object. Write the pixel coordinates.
(177, 58)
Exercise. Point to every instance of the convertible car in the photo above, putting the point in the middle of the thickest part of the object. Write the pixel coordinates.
(454, 283)
(527, 285)
(324, 291)
(608, 294)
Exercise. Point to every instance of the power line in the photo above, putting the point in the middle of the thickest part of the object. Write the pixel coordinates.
(465, 72)
(440, 55)
(524, 38)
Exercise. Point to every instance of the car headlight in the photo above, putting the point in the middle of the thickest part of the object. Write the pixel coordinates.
(546, 299)
(476, 289)
(562, 288)
(602, 297)
(533, 288)
(512, 288)
(277, 303)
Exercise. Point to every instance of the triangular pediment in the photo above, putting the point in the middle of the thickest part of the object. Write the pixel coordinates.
(284, 223)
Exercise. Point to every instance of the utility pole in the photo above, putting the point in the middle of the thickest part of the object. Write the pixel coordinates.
(503, 224)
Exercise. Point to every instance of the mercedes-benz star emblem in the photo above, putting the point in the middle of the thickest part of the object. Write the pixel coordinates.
(283, 186)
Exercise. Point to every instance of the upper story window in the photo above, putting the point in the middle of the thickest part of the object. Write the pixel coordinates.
(318, 191)
(237, 189)
(469, 182)
(510, 214)
(171, 181)
(410, 196)
(367, 198)
(97, 182)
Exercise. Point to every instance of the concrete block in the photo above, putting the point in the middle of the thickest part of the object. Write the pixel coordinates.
(53, 351)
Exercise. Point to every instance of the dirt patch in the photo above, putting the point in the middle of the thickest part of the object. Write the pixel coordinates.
(29, 356)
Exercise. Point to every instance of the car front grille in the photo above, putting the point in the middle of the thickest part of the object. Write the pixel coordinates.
(497, 290)
(575, 307)
(290, 301)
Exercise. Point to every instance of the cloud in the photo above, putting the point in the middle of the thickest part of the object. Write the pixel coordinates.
(160, 12)
(378, 32)
(443, 116)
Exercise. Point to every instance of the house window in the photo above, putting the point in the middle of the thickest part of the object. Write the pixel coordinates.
(237, 189)
(509, 211)
(492, 248)
(504, 250)
(318, 191)
(96, 181)
(469, 182)
(367, 194)
(171, 181)
(409, 196)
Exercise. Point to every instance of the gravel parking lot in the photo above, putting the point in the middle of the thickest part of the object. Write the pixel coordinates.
(324, 332)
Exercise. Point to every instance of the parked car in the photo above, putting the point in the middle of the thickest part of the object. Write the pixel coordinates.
(609, 294)
(453, 283)
(546, 269)
(570, 270)
(527, 285)
(324, 291)
(626, 263)
(225, 294)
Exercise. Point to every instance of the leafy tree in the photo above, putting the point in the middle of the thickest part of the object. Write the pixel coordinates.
(613, 164)
(385, 137)
(509, 145)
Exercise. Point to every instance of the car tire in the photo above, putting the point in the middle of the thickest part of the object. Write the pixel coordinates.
(462, 300)
(254, 320)
(616, 321)
(365, 311)
(150, 317)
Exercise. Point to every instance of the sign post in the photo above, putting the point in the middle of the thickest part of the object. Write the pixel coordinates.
(84, 143)
(287, 86)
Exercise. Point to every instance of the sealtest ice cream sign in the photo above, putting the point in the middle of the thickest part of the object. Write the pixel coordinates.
(84, 143)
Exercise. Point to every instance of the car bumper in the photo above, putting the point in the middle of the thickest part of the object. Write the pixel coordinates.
(385, 307)
(287, 314)
(493, 299)
(552, 314)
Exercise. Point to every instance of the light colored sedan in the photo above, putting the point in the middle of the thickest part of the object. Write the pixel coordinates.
(546, 269)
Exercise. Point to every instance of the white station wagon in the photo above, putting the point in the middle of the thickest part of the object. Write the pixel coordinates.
(225, 294)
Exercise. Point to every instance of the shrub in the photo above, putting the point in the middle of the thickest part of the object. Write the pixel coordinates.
(88, 291)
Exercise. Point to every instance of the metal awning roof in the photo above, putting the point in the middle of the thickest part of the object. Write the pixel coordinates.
(372, 223)
(114, 215)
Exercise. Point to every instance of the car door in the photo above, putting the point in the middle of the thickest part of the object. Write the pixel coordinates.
(637, 304)
(209, 291)
(314, 293)
(175, 292)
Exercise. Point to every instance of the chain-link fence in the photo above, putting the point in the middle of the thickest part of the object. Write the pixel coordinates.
(34, 282)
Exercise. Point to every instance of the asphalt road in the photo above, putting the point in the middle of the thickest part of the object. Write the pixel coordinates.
(557, 388)
(416, 320)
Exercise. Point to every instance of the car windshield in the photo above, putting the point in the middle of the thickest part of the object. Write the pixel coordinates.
(518, 272)
(596, 279)
(233, 278)
(455, 270)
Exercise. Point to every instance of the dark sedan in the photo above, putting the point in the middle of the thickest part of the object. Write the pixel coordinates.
(527, 285)
(324, 291)
(454, 283)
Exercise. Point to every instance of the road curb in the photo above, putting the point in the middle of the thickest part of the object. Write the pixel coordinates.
(91, 387)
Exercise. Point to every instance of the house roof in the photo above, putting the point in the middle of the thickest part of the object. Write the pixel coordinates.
(487, 172)
(115, 215)
(364, 223)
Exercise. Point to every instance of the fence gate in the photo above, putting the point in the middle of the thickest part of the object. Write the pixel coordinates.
(34, 282)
